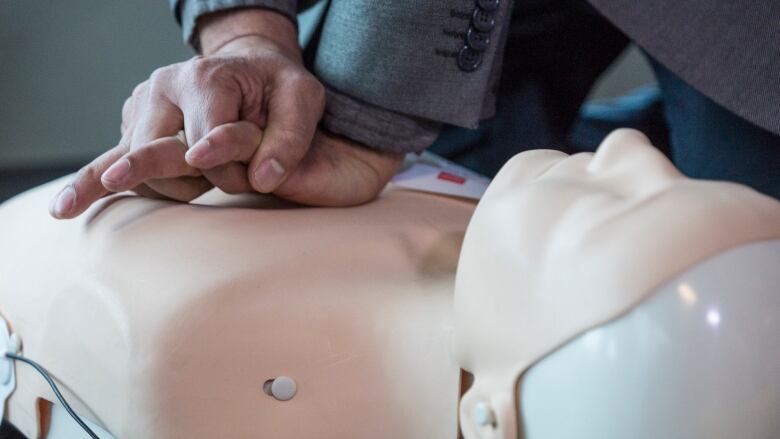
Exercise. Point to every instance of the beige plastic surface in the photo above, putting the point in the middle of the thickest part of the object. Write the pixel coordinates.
(164, 320)
(560, 244)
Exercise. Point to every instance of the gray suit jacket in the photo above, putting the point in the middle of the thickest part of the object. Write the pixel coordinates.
(396, 70)
(727, 49)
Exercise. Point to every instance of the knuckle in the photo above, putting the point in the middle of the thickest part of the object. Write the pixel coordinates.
(167, 72)
(127, 115)
(88, 173)
(139, 90)
(127, 109)
(223, 135)
(127, 105)
(309, 87)
(157, 74)
(159, 81)
(286, 137)
(317, 91)
(210, 74)
(143, 155)
(201, 68)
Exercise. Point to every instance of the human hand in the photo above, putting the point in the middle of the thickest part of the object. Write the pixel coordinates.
(256, 77)
(335, 171)
(121, 169)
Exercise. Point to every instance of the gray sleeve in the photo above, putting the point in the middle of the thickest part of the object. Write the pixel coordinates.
(188, 11)
(438, 60)
(376, 127)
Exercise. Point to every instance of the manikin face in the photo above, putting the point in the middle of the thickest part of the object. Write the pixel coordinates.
(560, 244)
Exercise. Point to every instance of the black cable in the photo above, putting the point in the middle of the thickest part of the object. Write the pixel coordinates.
(56, 390)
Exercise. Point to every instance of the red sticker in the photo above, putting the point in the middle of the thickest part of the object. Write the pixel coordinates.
(446, 176)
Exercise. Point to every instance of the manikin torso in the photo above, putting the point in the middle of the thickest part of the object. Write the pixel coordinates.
(165, 320)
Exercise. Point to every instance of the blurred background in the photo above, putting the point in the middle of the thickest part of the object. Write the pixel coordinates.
(67, 67)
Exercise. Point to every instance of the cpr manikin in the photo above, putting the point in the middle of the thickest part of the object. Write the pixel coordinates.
(607, 296)
(246, 317)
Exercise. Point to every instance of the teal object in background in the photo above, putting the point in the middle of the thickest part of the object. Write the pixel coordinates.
(66, 68)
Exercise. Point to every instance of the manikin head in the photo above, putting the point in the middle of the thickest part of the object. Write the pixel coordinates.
(562, 244)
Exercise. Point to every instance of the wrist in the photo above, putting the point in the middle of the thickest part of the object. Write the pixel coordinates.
(324, 136)
(250, 43)
(247, 28)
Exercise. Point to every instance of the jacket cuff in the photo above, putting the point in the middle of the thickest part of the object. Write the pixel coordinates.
(187, 12)
(375, 127)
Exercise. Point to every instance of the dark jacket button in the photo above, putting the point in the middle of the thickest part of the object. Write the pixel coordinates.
(483, 20)
(488, 5)
(477, 40)
(469, 59)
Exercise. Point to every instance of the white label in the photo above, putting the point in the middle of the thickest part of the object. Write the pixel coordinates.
(430, 173)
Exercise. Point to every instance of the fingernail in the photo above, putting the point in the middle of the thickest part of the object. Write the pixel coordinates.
(117, 172)
(64, 201)
(268, 175)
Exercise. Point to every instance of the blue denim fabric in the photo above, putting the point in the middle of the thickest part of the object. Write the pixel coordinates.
(709, 142)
